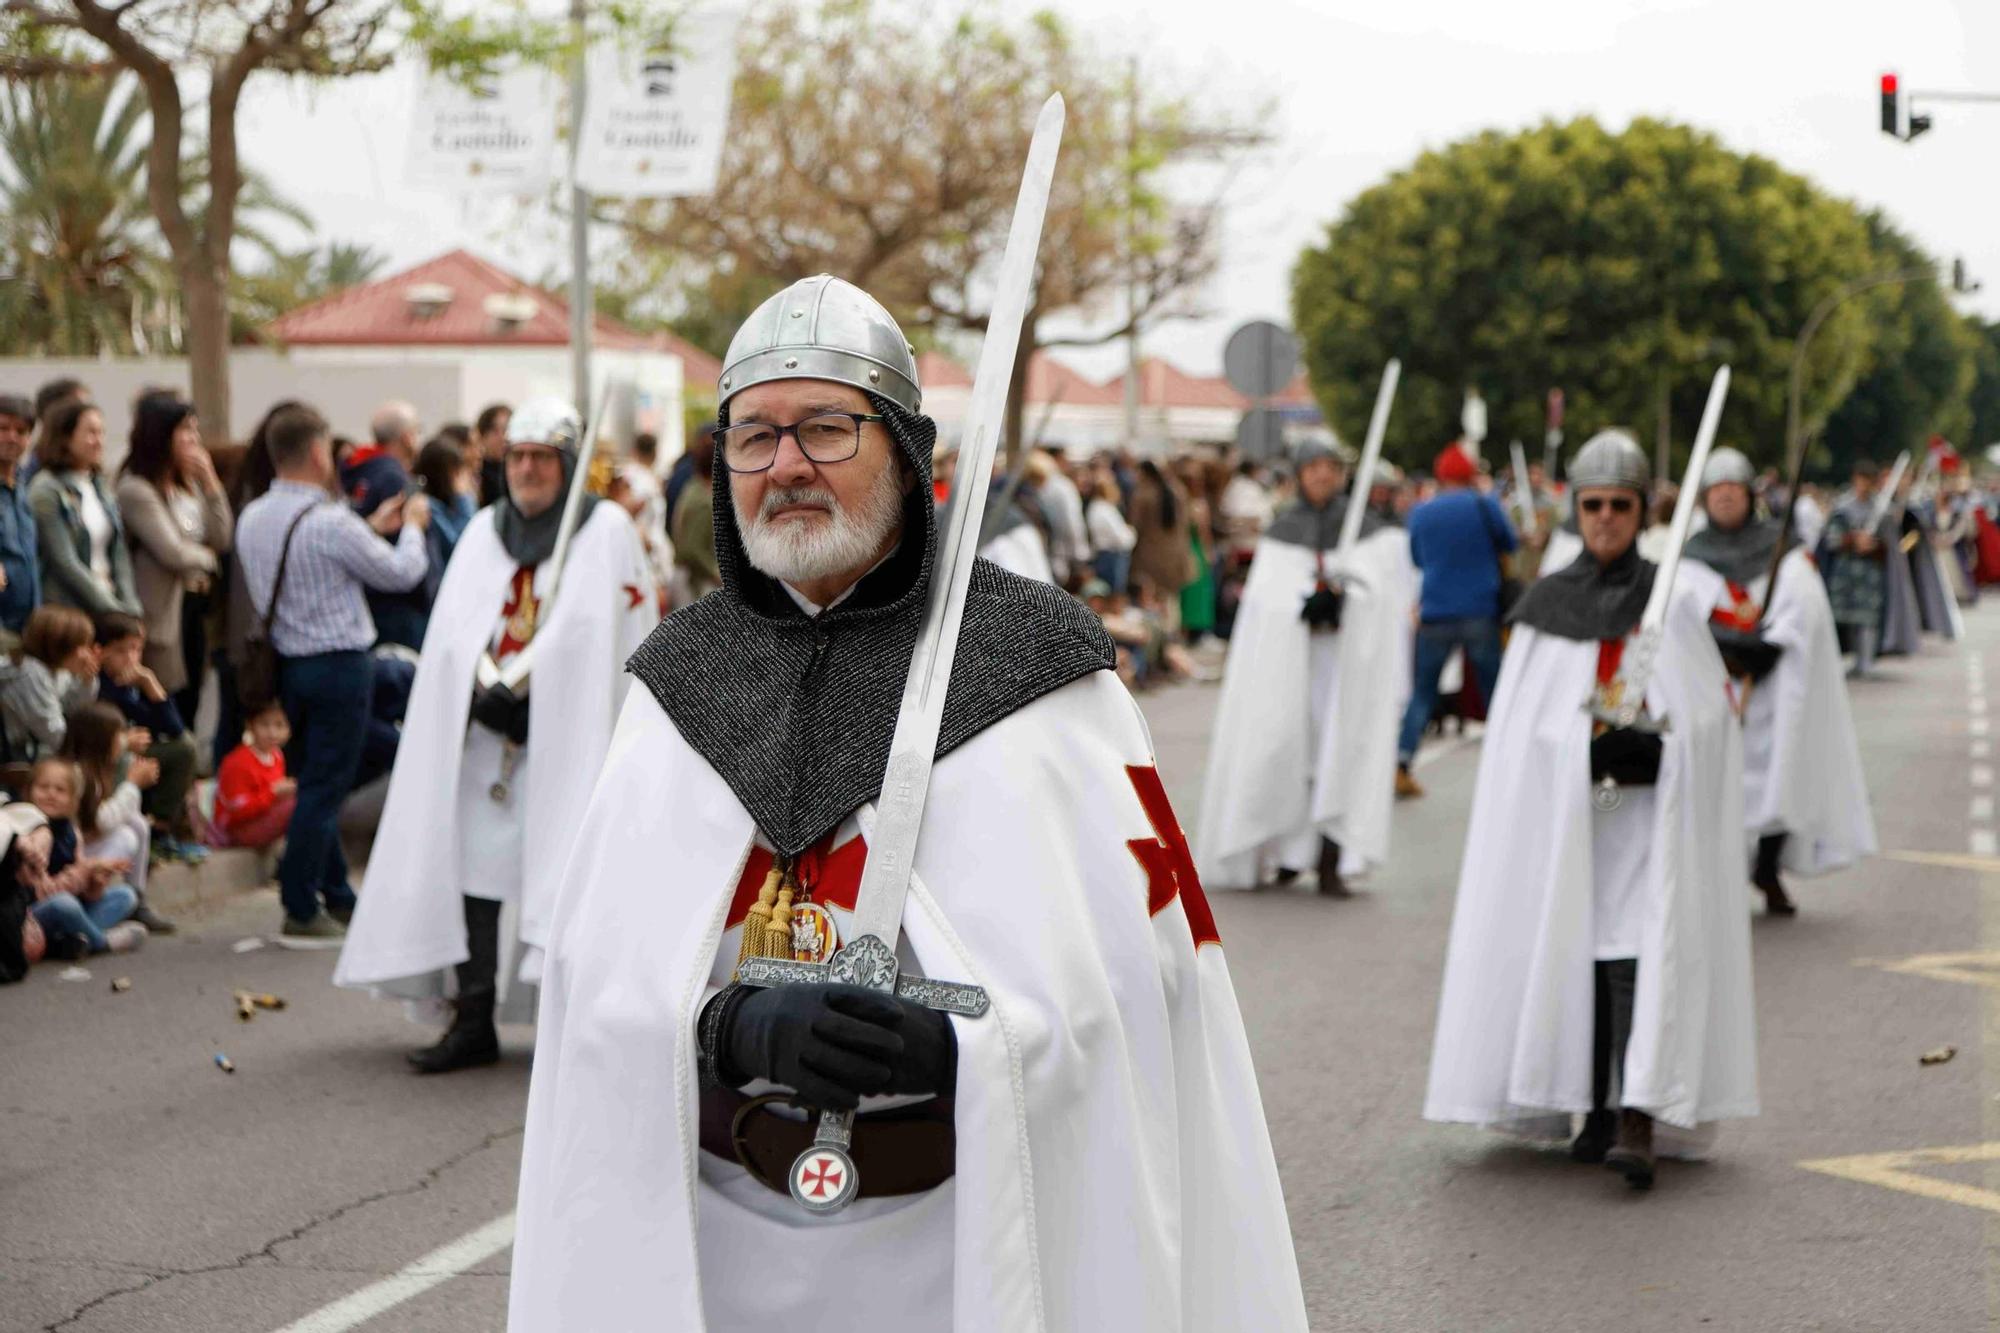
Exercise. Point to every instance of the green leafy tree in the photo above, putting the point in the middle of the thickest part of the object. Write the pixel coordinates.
(1985, 399)
(1921, 369)
(80, 259)
(1622, 268)
(193, 60)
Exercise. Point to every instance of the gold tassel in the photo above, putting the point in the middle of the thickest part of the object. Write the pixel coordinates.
(757, 922)
(778, 943)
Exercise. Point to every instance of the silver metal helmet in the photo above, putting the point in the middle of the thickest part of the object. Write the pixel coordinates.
(1611, 458)
(1726, 465)
(550, 421)
(1321, 445)
(823, 329)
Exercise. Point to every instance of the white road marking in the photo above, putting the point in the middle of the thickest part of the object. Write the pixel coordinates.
(440, 1265)
(1977, 726)
(1982, 809)
(1977, 707)
(1982, 775)
(1984, 842)
(1430, 754)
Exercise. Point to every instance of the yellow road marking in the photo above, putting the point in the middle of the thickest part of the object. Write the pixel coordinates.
(1988, 865)
(1893, 1171)
(1978, 968)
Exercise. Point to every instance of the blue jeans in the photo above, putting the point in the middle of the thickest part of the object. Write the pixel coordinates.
(64, 915)
(326, 696)
(1436, 639)
(1114, 567)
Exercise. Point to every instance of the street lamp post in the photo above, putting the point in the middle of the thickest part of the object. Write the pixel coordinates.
(1818, 317)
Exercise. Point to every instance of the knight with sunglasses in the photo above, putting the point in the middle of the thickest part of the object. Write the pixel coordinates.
(1805, 801)
(1600, 959)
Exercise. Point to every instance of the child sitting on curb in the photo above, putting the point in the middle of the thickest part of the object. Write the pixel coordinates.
(81, 904)
(253, 797)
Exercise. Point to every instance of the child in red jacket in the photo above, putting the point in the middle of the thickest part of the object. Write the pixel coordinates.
(253, 797)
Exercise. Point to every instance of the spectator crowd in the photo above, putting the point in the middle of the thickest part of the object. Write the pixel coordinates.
(205, 649)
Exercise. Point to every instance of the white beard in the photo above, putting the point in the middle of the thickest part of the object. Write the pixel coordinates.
(798, 551)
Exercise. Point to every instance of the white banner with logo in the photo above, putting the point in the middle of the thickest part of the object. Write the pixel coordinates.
(654, 120)
(497, 138)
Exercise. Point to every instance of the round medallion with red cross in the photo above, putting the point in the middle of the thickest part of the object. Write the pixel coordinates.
(823, 1179)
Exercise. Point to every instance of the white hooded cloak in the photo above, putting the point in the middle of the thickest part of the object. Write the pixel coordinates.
(1802, 770)
(1516, 1017)
(442, 834)
(1305, 731)
(1113, 1166)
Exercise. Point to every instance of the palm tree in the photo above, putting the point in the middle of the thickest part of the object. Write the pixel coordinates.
(80, 257)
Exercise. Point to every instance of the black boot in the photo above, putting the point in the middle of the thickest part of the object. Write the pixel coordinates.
(1600, 1123)
(1330, 882)
(1771, 851)
(1632, 1156)
(471, 1040)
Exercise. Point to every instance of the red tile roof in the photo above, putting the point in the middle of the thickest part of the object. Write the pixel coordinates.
(699, 370)
(1161, 384)
(380, 314)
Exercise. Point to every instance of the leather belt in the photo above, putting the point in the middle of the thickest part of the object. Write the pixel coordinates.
(903, 1151)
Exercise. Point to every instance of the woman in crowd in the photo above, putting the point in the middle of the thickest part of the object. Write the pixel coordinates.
(1164, 552)
(55, 672)
(179, 524)
(449, 477)
(85, 561)
(1111, 537)
(1198, 594)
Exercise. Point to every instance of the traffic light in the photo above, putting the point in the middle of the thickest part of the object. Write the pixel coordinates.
(1891, 121)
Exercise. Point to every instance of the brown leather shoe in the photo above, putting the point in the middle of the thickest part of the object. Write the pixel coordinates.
(1407, 787)
(1632, 1156)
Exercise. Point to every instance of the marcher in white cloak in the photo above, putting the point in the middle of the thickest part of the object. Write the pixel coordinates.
(1805, 801)
(1302, 769)
(1588, 946)
(489, 785)
(1090, 1154)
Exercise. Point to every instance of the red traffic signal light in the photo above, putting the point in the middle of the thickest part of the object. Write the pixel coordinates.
(1891, 122)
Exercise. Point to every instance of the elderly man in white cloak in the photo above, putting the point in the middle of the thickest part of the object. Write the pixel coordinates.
(1805, 799)
(490, 780)
(1600, 959)
(1301, 774)
(1090, 1153)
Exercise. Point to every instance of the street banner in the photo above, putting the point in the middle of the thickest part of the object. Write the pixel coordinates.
(498, 137)
(654, 120)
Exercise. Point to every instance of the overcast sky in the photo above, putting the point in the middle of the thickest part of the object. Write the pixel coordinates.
(1361, 88)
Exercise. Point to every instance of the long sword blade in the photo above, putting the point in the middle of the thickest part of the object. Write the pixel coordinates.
(1371, 453)
(1670, 561)
(899, 817)
(1887, 496)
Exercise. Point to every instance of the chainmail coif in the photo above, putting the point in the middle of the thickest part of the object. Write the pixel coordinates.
(796, 713)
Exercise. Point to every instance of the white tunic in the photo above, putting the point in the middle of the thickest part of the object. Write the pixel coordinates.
(430, 849)
(1305, 730)
(1113, 1168)
(1516, 1016)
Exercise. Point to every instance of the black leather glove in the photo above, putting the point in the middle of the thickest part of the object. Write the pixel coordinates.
(834, 1045)
(503, 712)
(1322, 609)
(1630, 757)
(1745, 652)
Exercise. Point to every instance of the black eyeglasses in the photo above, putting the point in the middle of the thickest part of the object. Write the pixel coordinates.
(830, 437)
(1620, 505)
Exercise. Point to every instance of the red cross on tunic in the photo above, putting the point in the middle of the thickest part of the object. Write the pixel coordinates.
(1742, 611)
(1610, 652)
(520, 598)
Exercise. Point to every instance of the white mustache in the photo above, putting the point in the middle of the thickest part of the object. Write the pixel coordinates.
(796, 495)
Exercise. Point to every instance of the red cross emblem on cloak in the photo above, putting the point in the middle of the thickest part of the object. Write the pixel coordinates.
(518, 615)
(1168, 864)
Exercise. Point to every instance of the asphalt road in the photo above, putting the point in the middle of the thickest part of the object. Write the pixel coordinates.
(141, 1188)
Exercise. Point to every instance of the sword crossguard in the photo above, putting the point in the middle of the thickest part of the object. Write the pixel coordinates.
(823, 1178)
